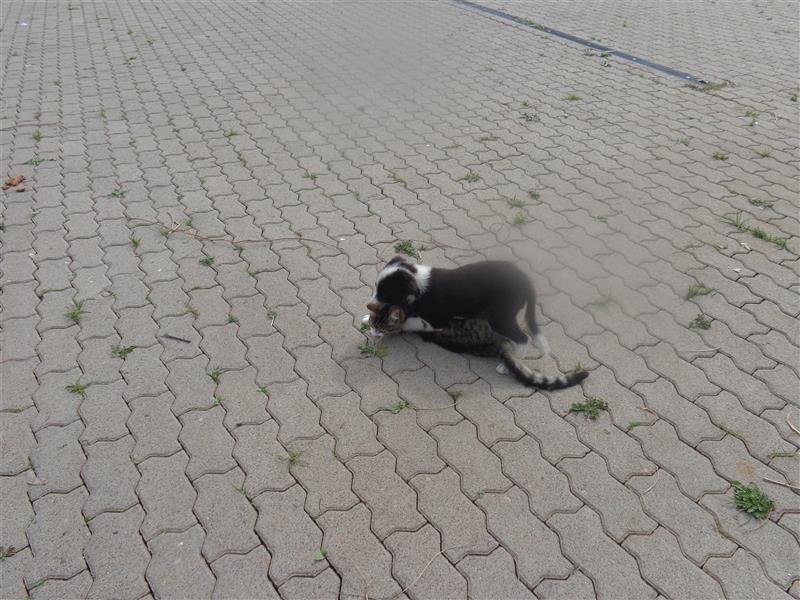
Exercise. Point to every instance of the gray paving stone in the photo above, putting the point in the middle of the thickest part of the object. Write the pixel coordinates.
(263, 459)
(411, 552)
(556, 437)
(324, 586)
(353, 431)
(509, 519)
(741, 576)
(694, 527)
(772, 544)
(493, 576)
(225, 512)
(477, 467)
(291, 536)
(461, 523)
(110, 477)
(57, 531)
(692, 471)
(296, 414)
(207, 442)
(665, 567)
(177, 569)
(326, 481)
(243, 576)
(575, 587)
(117, 555)
(166, 495)
(154, 428)
(57, 460)
(392, 503)
(365, 565)
(613, 571)
(414, 449)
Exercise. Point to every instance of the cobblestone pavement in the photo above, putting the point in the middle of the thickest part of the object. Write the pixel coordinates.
(187, 417)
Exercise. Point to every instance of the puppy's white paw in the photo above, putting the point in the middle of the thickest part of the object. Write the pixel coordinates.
(502, 369)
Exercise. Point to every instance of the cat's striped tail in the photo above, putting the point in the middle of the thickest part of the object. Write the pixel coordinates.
(536, 380)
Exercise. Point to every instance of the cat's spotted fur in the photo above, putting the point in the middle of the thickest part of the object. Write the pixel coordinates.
(472, 336)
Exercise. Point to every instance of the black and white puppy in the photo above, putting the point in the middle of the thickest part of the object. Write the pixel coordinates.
(494, 290)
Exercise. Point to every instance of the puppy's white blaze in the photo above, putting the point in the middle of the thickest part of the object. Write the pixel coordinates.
(542, 344)
(422, 276)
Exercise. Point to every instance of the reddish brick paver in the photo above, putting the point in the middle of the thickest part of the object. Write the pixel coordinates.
(216, 185)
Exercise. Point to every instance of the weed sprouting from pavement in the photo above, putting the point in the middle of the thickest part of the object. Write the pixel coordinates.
(700, 322)
(407, 247)
(752, 500)
(591, 408)
(77, 388)
(118, 351)
(75, 314)
(372, 349)
(216, 374)
(698, 289)
(398, 406)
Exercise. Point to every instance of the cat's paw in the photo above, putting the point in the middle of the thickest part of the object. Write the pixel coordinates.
(502, 369)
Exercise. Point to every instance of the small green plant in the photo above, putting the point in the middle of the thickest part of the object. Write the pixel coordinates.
(119, 193)
(761, 203)
(135, 242)
(516, 202)
(230, 133)
(215, 374)
(534, 195)
(520, 219)
(118, 351)
(75, 314)
(77, 388)
(700, 322)
(372, 349)
(698, 289)
(293, 458)
(407, 247)
(232, 318)
(471, 177)
(311, 176)
(397, 407)
(591, 408)
(207, 261)
(719, 155)
(321, 555)
(572, 98)
(634, 424)
(752, 500)
(36, 135)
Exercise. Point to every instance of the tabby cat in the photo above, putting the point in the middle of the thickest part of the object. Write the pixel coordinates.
(471, 336)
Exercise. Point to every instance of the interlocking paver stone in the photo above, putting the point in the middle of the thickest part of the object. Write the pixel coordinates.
(614, 572)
